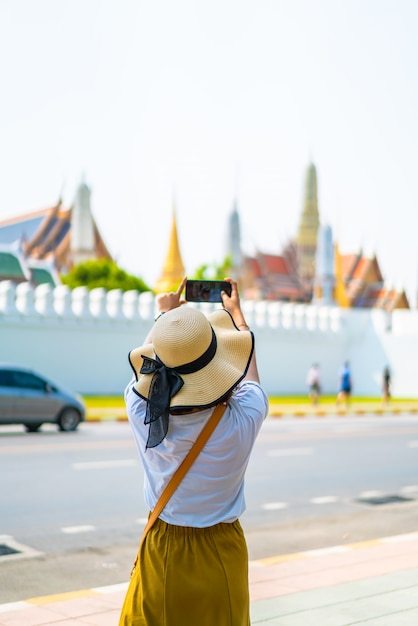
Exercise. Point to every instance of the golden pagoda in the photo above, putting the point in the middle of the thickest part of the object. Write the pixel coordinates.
(173, 268)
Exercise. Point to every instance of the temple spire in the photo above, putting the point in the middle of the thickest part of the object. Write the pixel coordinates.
(173, 269)
(308, 229)
(324, 267)
(234, 242)
(82, 226)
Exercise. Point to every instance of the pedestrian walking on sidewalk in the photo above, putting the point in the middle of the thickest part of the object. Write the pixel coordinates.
(386, 383)
(192, 566)
(313, 381)
(345, 385)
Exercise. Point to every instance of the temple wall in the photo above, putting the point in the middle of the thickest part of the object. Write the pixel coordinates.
(81, 339)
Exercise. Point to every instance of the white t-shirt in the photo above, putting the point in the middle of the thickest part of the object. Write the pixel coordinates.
(213, 489)
(313, 377)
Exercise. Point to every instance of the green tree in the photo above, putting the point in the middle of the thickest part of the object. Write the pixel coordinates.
(103, 273)
(213, 271)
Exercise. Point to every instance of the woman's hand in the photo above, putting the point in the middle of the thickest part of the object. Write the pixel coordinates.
(171, 300)
(233, 305)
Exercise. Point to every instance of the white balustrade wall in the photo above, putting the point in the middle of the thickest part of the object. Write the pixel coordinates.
(81, 339)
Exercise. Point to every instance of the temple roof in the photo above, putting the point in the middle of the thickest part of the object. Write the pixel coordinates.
(12, 264)
(17, 267)
(36, 246)
(22, 227)
(268, 276)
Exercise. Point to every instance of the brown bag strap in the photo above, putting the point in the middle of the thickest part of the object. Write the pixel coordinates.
(183, 468)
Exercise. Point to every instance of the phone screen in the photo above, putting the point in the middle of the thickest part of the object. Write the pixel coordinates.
(206, 290)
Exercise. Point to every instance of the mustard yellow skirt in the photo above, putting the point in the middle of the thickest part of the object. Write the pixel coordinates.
(189, 577)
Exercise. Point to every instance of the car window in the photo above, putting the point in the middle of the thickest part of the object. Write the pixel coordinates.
(6, 378)
(28, 381)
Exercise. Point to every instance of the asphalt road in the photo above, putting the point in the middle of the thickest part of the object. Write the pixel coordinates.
(71, 503)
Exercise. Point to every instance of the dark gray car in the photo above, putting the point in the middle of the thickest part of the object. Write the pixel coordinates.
(28, 398)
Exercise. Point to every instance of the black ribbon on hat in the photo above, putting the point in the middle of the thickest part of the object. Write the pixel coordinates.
(166, 382)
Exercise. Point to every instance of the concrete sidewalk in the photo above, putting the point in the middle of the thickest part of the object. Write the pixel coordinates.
(373, 582)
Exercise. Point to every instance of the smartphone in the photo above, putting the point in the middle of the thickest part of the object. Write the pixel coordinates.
(206, 290)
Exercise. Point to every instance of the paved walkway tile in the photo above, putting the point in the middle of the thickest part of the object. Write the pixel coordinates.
(392, 597)
(406, 618)
(372, 583)
(96, 607)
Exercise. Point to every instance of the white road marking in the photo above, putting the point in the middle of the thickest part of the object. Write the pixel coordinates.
(89, 465)
(371, 494)
(290, 452)
(409, 489)
(22, 551)
(324, 499)
(72, 530)
(274, 506)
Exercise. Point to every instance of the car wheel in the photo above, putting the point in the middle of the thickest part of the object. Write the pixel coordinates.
(32, 428)
(69, 420)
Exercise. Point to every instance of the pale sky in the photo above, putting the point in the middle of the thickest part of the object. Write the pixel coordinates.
(208, 101)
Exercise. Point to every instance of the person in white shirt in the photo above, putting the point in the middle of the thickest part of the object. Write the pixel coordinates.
(192, 567)
(313, 381)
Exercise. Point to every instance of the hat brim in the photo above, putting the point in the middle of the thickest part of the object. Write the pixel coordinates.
(213, 382)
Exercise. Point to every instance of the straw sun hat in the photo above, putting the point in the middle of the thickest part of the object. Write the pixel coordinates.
(194, 362)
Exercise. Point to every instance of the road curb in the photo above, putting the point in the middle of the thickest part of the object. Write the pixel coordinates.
(61, 597)
(112, 416)
(118, 414)
(309, 554)
(340, 413)
(259, 563)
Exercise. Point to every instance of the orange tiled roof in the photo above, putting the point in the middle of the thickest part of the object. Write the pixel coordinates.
(276, 264)
(253, 267)
(271, 279)
(348, 264)
(361, 268)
